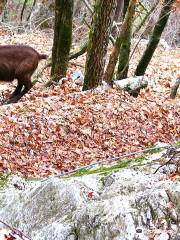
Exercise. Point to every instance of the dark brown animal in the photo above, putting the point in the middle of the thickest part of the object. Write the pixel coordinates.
(18, 62)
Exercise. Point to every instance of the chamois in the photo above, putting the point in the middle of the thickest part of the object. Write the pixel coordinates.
(18, 62)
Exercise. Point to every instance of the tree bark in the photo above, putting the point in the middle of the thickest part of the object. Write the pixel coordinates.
(118, 10)
(155, 37)
(62, 38)
(175, 88)
(2, 5)
(117, 16)
(98, 42)
(138, 28)
(126, 4)
(108, 76)
(123, 65)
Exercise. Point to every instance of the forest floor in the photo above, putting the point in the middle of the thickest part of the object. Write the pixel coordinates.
(60, 128)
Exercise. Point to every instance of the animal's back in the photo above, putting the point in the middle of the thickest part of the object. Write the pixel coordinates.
(17, 52)
(13, 56)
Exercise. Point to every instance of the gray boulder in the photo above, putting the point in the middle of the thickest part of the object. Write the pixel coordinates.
(132, 84)
(129, 204)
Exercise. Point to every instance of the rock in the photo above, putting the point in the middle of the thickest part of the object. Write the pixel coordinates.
(122, 205)
(162, 236)
(132, 83)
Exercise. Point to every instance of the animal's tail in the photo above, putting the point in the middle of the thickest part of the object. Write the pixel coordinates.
(43, 56)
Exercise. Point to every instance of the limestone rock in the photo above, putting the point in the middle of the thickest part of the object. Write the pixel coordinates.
(128, 204)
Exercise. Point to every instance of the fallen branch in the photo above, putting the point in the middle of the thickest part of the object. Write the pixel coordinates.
(16, 231)
(173, 155)
(40, 70)
(78, 52)
(105, 161)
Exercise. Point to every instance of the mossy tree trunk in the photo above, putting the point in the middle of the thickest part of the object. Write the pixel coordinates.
(98, 42)
(155, 37)
(62, 38)
(108, 76)
(123, 64)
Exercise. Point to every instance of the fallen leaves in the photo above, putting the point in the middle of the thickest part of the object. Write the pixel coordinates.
(61, 128)
(48, 135)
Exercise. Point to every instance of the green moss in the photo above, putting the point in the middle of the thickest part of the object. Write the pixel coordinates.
(157, 150)
(3, 180)
(33, 179)
(22, 110)
(101, 170)
(139, 158)
(178, 143)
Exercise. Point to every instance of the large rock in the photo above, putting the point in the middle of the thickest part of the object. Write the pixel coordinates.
(127, 204)
(132, 84)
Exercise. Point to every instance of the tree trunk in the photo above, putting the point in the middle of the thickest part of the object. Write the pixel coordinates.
(118, 10)
(108, 76)
(98, 42)
(126, 4)
(175, 88)
(62, 38)
(148, 13)
(117, 16)
(155, 37)
(77, 7)
(2, 5)
(123, 65)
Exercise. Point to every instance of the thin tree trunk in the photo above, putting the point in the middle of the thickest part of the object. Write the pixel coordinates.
(118, 10)
(117, 16)
(29, 16)
(62, 38)
(98, 42)
(77, 6)
(155, 37)
(175, 88)
(108, 76)
(2, 5)
(146, 17)
(23, 8)
(123, 65)
(126, 4)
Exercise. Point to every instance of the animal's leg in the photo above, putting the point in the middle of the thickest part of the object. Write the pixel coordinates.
(17, 90)
(26, 82)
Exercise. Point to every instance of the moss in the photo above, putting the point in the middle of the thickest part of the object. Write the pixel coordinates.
(157, 150)
(178, 143)
(3, 180)
(22, 110)
(33, 179)
(139, 158)
(101, 170)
